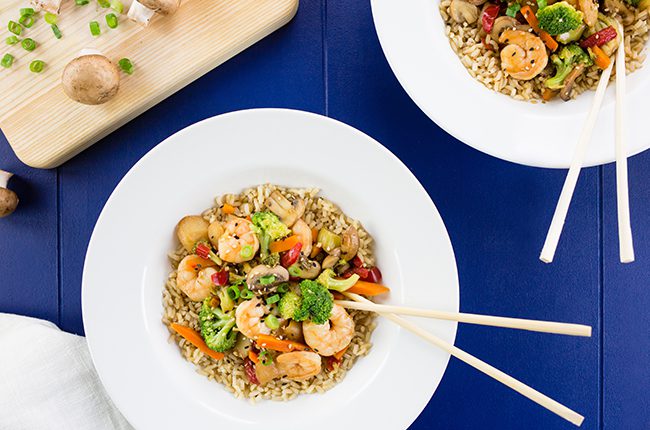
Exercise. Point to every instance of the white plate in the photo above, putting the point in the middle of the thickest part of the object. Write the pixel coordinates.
(544, 135)
(126, 267)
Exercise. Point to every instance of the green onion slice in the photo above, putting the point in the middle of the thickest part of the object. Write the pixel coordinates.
(27, 11)
(117, 6)
(12, 40)
(94, 28)
(265, 358)
(283, 288)
(36, 66)
(7, 61)
(56, 31)
(111, 20)
(273, 299)
(233, 292)
(15, 28)
(81, 2)
(29, 44)
(272, 322)
(27, 21)
(246, 294)
(267, 279)
(50, 18)
(246, 250)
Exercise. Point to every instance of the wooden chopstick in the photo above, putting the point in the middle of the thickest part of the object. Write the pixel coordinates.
(625, 243)
(555, 230)
(517, 323)
(509, 381)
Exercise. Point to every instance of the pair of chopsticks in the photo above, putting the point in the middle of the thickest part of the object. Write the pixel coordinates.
(392, 313)
(626, 247)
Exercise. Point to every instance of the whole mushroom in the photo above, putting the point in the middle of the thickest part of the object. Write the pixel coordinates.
(91, 79)
(462, 11)
(8, 199)
(51, 6)
(265, 279)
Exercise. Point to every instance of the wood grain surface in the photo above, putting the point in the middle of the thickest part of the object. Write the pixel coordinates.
(45, 128)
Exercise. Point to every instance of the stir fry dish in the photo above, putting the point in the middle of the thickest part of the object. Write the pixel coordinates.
(542, 49)
(250, 300)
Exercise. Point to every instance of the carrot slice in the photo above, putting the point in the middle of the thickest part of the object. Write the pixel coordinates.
(548, 94)
(368, 289)
(264, 341)
(253, 356)
(600, 58)
(314, 233)
(339, 355)
(193, 337)
(284, 244)
(314, 251)
(548, 40)
(228, 209)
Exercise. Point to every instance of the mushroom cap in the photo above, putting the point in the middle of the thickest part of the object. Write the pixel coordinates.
(253, 278)
(163, 7)
(8, 202)
(91, 79)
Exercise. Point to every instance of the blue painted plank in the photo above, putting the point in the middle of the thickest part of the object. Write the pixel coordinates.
(28, 241)
(283, 70)
(626, 301)
(497, 215)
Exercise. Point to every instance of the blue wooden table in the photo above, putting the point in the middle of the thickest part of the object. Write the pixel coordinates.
(329, 61)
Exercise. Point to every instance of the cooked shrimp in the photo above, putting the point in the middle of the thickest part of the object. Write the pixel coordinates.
(194, 277)
(299, 365)
(329, 338)
(590, 10)
(525, 55)
(248, 316)
(238, 243)
(302, 230)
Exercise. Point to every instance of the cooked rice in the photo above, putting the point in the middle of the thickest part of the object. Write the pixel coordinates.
(485, 65)
(229, 371)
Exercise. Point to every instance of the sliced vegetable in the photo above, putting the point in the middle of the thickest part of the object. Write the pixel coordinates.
(111, 20)
(50, 18)
(530, 17)
(284, 244)
(104, 3)
(29, 44)
(56, 31)
(291, 256)
(252, 356)
(228, 209)
(548, 94)
(265, 358)
(26, 21)
(600, 58)
(339, 355)
(15, 28)
(233, 292)
(7, 61)
(374, 275)
(541, 4)
(246, 294)
(126, 66)
(220, 278)
(328, 240)
(272, 322)
(490, 14)
(12, 40)
(117, 6)
(368, 289)
(265, 341)
(203, 250)
(81, 2)
(94, 28)
(513, 9)
(273, 299)
(193, 337)
(600, 37)
(27, 11)
(249, 366)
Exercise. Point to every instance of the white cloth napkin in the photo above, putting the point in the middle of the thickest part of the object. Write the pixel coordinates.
(47, 380)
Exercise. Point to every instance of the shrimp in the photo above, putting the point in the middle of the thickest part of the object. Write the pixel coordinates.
(525, 55)
(248, 316)
(302, 230)
(238, 243)
(329, 338)
(193, 277)
(299, 365)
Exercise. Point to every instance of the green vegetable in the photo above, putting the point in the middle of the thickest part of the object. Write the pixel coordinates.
(265, 358)
(316, 303)
(559, 18)
(29, 44)
(104, 3)
(225, 301)
(27, 21)
(217, 327)
(327, 278)
(56, 31)
(268, 228)
(283, 288)
(36, 66)
(541, 4)
(571, 36)
(50, 18)
(273, 299)
(81, 2)
(117, 6)
(328, 240)
(94, 28)
(111, 20)
(267, 279)
(15, 28)
(233, 292)
(513, 9)
(271, 260)
(27, 11)
(569, 57)
(246, 251)
(7, 61)
(12, 40)
(289, 305)
(246, 294)
(272, 322)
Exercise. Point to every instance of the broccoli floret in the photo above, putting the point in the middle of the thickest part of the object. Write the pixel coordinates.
(559, 18)
(317, 302)
(327, 278)
(565, 61)
(217, 327)
(269, 228)
(289, 306)
(634, 3)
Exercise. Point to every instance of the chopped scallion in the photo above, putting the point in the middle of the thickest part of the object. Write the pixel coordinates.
(27, 11)
(94, 28)
(29, 44)
(111, 20)
(36, 66)
(541, 4)
(27, 21)
(15, 28)
(7, 61)
(56, 31)
(513, 9)
(233, 292)
(283, 288)
(246, 250)
(246, 294)
(273, 299)
(12, 40)
(50, 18)
(272, 322)
(81, 2)
(117, 6)
(104, 3)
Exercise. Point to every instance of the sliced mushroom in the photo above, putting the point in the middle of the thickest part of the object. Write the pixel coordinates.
(190, 230)
(51, 6)
(331, 260)
(302, 230)
(289, 211)
(569, 81)
(350, 243)
(462, 11)
(8, 199)
(140, 13)
(265, 279)
(501, 24)
(292, 330)
(91, 79)
(215, 230)
(618, 7)
(163, 7)
(305, 268)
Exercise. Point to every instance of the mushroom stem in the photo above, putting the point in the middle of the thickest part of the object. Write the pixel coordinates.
(4, 178)
(140, 13)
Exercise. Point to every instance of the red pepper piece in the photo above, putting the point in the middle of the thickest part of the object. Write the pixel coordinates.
(490, 14)
(202, 251)
(374, 275)
(291, 256)
(249, 366)
(220, 278)
(600, 38)
(356, 261)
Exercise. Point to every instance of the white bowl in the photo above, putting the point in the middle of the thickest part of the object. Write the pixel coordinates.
(413, 39)
(126, 267)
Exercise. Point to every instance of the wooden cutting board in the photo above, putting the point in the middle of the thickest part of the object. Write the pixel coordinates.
(45, 128)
